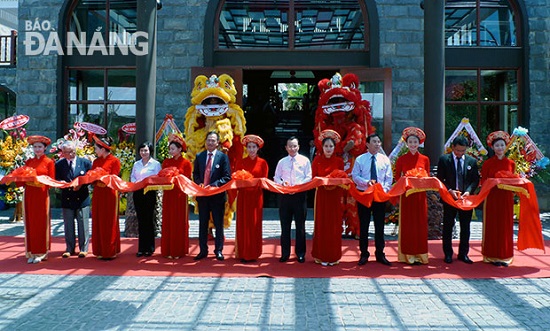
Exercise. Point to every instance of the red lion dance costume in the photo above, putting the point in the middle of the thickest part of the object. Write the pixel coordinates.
(341, 109)
(214, 109)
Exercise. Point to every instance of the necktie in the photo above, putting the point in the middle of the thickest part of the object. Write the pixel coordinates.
(459, 174)
(292, 171)
(71, 172)
(208, 169)
(373, 174)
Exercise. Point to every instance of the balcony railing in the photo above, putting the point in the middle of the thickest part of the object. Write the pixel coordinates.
(8, 45)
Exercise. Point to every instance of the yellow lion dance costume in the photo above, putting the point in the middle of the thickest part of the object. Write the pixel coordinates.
(214, 109)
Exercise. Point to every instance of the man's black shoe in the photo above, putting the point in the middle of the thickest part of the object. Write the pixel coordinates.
(219, 256)
(200, 256)
(363, 260)
(465, 259)
(283, 259)
(301, 259)
(448, 259)
(383, 260)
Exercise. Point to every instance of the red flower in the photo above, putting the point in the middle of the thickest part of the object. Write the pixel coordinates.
(242, 174)
(24, 171)
(417, 172)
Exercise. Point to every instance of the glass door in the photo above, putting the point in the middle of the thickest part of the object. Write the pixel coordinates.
(376, 87)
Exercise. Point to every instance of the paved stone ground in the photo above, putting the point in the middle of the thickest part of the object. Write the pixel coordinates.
(65, 302)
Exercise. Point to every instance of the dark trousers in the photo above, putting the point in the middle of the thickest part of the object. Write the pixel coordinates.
(145, 212)
(214, 205)
(378, 212)
(464, 217)
(293, 206)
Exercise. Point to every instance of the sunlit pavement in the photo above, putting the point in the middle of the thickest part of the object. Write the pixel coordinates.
(47, 302)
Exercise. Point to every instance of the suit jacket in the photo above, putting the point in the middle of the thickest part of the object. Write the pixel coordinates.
(70, 198)
(220, 173)
(446, 172)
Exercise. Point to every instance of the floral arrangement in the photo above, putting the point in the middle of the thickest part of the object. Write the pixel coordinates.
(480, 156)
(167, 127)
(475, 147)
(14, 150)
(162, 149)
(126, 153)
(13, 195)
(79, 137)
(529, 159)
(399, 149)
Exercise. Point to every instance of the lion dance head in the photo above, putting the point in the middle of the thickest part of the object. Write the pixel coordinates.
(342, 109)
(214, 109)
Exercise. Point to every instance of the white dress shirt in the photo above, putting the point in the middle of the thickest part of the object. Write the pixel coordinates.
(141, 171)
(292, 171)
(361, 171)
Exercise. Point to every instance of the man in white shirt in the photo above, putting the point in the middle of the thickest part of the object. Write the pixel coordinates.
(291, 170)
(371, 168)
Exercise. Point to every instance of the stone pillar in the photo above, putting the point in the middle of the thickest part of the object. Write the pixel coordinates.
(146, 74)
(434, 78)
(146, 85)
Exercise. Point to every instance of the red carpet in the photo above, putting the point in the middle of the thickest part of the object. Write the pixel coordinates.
(529, 264)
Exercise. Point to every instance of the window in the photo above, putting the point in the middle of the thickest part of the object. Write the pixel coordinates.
(113, 20)
(100, 87)
(484, 65)
(102, 96)
(325, 24)
(489, 98)
(481, 23)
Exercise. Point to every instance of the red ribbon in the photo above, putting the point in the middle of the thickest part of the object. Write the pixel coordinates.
(530, 235)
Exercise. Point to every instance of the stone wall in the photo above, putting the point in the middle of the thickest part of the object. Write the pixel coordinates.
(402, 50)
(8, 78)
(180, 47)
(37, 75)
(538, 12)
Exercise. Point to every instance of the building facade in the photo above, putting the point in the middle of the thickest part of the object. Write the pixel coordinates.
(496, 61)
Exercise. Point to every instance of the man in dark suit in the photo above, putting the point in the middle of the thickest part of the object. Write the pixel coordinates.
(74, 201)
(211, 168)
(460, 175)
